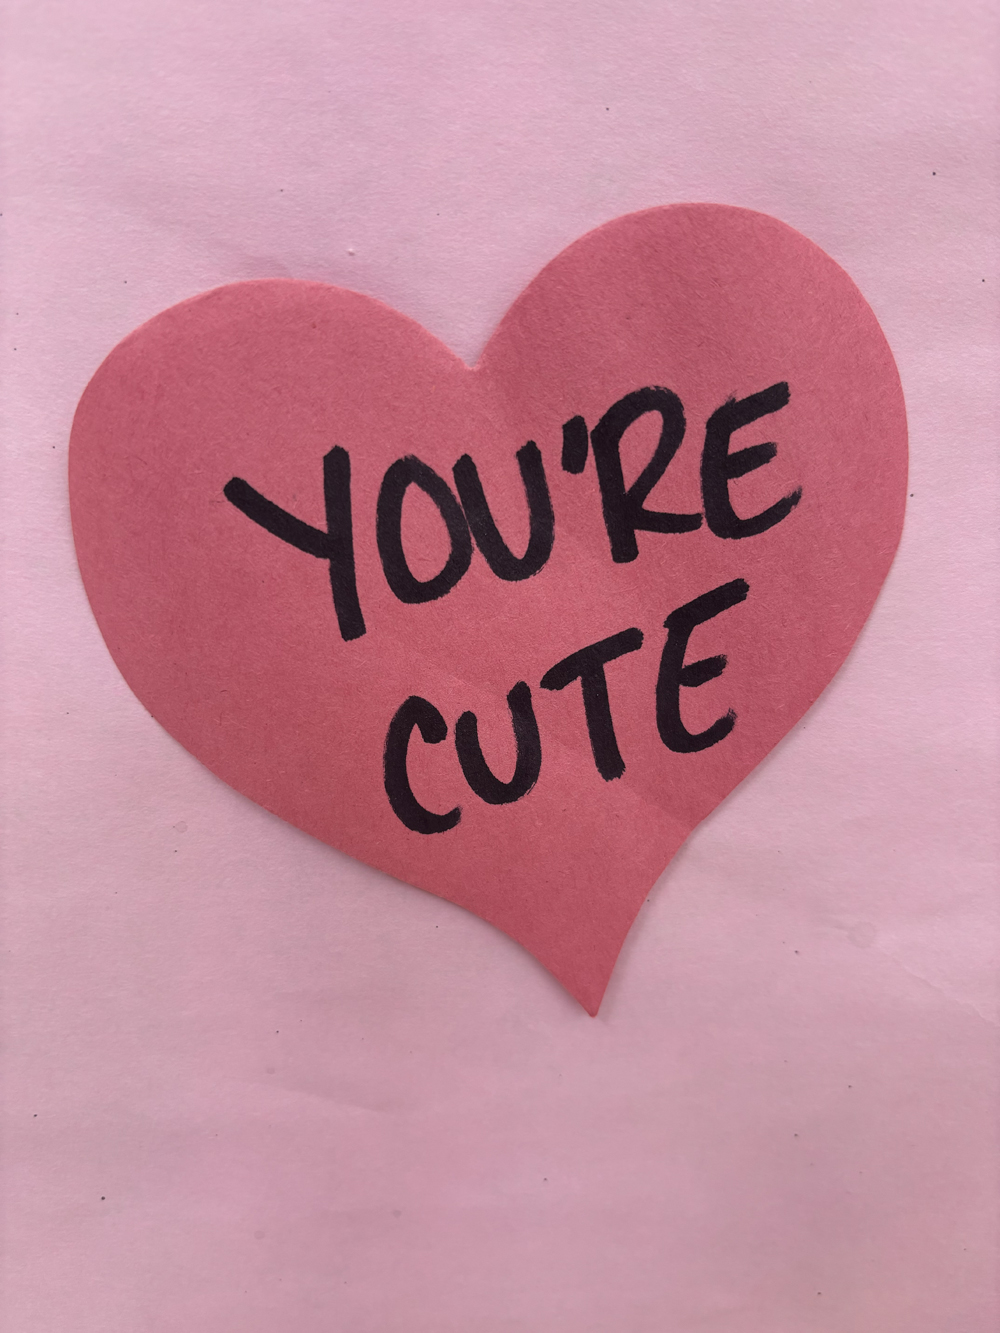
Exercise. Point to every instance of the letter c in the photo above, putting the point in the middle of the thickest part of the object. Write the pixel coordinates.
(415, 712)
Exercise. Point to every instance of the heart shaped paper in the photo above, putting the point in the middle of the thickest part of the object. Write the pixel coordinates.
(325, 556)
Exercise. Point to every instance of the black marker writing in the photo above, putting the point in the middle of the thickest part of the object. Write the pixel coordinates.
(335, 545)
(719, 467)
(674, 674)
(529, 752)
(624, 511)
(404, 473)
(587, 666)
(415, 712)
(497, 553)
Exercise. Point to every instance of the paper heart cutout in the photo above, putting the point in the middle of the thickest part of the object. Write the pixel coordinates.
(229, 633)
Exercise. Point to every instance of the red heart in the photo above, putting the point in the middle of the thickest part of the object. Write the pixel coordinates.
(229, 633)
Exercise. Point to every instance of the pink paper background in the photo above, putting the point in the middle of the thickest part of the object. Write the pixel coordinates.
(251, 1085)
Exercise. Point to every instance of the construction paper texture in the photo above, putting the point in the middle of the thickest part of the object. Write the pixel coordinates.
(691, 335)
(250, 1083)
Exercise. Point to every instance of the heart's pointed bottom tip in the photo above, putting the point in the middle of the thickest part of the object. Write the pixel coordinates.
(589, 992)
(586, 976)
